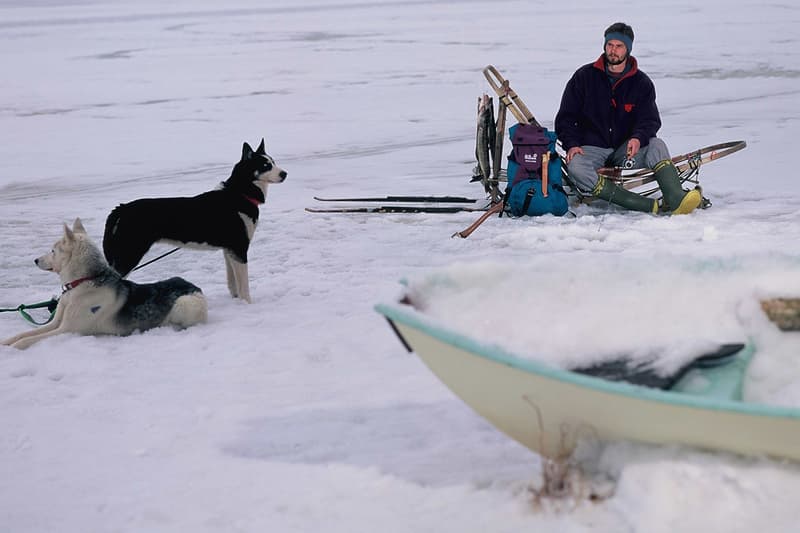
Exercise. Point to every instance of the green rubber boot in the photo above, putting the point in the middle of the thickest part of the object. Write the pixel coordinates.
(614, 194)
(676, 198)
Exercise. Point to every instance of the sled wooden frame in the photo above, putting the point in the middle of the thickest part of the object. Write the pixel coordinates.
(509, 97)
(688, 164)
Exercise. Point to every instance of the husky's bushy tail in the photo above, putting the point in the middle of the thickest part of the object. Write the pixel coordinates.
(123, 245)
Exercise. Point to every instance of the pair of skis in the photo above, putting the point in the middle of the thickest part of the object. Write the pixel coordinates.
(402, 204)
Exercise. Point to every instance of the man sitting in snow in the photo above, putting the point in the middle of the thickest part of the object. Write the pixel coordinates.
(608, 117)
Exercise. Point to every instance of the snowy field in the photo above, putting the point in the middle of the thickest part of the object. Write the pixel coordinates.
(302, 411)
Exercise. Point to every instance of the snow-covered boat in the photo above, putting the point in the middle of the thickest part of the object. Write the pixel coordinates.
(548, 409)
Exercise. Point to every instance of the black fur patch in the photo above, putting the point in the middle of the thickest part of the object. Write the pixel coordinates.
(148, 304)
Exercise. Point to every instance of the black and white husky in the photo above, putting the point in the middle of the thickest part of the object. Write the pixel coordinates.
(97, 301)
(224, 218)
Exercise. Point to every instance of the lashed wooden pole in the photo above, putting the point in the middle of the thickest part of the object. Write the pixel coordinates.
(496, 208)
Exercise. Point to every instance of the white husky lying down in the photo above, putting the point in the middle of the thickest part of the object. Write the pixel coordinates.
(97, 301)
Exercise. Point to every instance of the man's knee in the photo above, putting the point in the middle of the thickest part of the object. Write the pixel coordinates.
(656, 151)
(581, 174)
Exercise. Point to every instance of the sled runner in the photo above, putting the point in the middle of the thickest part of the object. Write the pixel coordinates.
(548, 409)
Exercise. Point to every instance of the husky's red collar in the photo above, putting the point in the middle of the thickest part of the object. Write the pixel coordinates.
(255, 201)
(74, 283)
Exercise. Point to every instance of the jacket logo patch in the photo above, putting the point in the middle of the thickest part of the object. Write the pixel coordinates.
(628, 108)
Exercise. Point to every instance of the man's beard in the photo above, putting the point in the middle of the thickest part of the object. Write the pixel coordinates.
(618, 61)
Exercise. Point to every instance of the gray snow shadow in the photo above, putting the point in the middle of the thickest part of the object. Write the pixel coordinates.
(142, 103)
(756, 71)
(217, 15)
(431, 445)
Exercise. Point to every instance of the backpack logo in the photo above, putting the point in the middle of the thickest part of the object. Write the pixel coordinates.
(532, 159)
(628, 108)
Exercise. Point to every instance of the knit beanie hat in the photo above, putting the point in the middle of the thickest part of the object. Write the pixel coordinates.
(620, 32)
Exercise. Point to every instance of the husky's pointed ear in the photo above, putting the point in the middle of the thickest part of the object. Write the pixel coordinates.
(247, 152)
(77, 226)
(261, 150)
(68, 234)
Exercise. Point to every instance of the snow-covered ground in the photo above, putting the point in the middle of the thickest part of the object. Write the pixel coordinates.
(302, 411)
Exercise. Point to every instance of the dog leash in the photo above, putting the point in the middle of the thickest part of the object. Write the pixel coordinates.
(162, 256)
(22, 308)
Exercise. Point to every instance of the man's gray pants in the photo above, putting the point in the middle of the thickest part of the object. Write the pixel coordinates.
(582, 169)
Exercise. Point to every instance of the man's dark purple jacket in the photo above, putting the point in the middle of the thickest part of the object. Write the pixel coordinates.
(595, 113)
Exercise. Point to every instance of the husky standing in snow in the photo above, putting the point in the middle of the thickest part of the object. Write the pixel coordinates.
(223, 218)
(97, 301)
